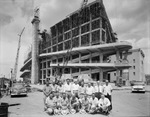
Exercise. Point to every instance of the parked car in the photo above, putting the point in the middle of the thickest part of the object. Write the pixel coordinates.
(138, 86)
(18, 89)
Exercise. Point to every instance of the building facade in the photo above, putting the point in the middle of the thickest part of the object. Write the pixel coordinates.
(82, 43)
(136, 72)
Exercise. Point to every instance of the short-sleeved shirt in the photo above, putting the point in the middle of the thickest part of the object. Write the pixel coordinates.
(50, 102)
(57, 100)
(75, 87)
(67, 87)
(84, 102)
(93, 101)
(104, 102)
(89, 90)
(64, 103)
(107, 89)
(54, 88)
(47, 89)
(98, 88)
(82, 90)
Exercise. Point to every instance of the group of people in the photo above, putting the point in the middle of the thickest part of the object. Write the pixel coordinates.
(70, 97)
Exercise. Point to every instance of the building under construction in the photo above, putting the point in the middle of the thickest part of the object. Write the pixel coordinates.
(82, 43)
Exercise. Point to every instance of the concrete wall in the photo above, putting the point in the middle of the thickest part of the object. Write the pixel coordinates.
(136, 71)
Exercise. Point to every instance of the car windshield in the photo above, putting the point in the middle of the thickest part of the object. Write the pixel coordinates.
(139, 83)
(18, 86)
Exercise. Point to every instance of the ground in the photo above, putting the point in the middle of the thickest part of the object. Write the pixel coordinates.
(125, 104)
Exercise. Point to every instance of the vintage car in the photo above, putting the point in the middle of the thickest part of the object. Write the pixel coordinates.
(138, 86)
(18, 89)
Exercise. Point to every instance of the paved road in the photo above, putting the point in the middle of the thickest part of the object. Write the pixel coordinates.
(125, 104)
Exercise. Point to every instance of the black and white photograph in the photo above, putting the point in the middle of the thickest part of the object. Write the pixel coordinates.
(75, 58)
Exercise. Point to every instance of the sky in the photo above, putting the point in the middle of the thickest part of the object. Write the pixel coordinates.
(129, 19)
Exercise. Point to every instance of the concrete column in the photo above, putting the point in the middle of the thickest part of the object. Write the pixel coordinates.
(117, 71)
(42, 77)
(117, 56)
(35, 51)
(100, 74)
(101, 57)
(100, 30)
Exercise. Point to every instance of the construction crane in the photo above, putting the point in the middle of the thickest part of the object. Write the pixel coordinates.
(84, 3)
(17, 56)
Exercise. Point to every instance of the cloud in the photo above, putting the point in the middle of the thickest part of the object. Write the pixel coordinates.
(5, 19)
(27, 8)
(128, 18)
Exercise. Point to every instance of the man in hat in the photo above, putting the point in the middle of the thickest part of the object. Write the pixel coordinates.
(104, 105)
(107, 90)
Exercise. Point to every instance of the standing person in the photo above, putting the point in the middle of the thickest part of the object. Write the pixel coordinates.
(93, 101)
(61, 88)
(75, 88)
(7, 88)
(50, 105)
(104, 105)
(54, 87)
(82, 89)
(89, 90)
(107, 90)
(67, 88)
(46, 91)
(98, 90)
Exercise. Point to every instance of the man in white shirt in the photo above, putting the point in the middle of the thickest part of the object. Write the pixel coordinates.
(67, 88)
(46, 91)
(107, 90)
(98, 88)
(50, 104)
(75, 88)
(57, 100)
(104, 104)
(93, 102)
(89, 90)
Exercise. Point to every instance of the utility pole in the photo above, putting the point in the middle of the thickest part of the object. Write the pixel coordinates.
(17, 56)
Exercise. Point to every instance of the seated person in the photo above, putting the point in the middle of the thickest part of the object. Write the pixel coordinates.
(93, 101)
(50, 105)
(74, 104)
(104, 104)
(64, 105)
(84, 104)
(57, 100)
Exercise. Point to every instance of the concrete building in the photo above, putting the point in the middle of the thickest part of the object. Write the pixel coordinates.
(82, 43)
(147, 76)
(136, 72)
